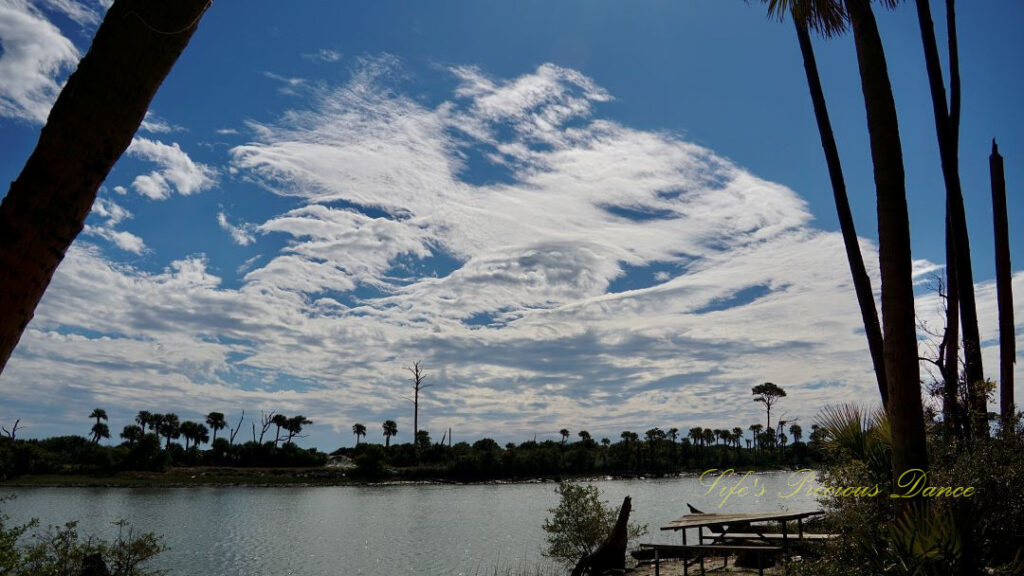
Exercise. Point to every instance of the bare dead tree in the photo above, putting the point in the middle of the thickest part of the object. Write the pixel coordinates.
(417, 384)
(266, 421)
(944, 359)
(13, 431)
(235, 430)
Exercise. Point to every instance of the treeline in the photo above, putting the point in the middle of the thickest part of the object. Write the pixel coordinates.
(658, 452)
(152, 443)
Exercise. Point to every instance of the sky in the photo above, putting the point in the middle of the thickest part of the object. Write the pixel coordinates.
(588, 214)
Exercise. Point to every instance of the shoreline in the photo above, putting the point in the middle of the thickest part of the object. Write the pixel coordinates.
(189, 477)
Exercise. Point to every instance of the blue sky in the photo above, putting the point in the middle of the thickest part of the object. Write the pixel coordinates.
(592, 215)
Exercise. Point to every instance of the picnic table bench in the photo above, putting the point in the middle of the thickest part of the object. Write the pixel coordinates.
(659, 552)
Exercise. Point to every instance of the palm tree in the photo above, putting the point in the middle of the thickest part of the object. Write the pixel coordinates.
(195, 432)
(565, 435)
(98, 414)
(697, 435)
(755, 432)
(169, 428)
(215, 420)
(898, 315)
(947, 129)
(796, 432)
(861, 280)
(132, 434)
(359, 430)
(188, 431)
(99, 430)
(390, 430)
(145, 420)
(584, 436)
(89, 127)
(673, 434)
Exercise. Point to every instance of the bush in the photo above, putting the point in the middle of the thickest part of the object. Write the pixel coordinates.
(61, 551)
(580, 523)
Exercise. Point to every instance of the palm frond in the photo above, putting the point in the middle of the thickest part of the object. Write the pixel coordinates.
(826, 17)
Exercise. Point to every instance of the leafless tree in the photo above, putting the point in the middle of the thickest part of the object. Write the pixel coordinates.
(13, 431)
(234, 431)
(417, 384)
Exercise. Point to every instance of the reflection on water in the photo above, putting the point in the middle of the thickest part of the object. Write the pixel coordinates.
(387, 530)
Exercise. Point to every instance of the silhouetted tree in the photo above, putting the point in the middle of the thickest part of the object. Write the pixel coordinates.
(861, 280)
(294, 426)
(132, 434)
(565, 435)
(417, 384)
(145, 420)
(100, 430)
(215, 420)
(281, 421)
(390, 430)
(768, 394)
(359, 430)
(169, 428)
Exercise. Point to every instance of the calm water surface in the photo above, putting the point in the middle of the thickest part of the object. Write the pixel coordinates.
(379, 531)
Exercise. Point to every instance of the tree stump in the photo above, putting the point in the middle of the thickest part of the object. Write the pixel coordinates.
(610, 556)
(93, 565)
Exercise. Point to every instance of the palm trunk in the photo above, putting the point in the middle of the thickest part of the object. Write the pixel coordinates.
(951, 411)
(948, 153)
(88, 129)
(902, 372)
(861, 280)
(1007, 344)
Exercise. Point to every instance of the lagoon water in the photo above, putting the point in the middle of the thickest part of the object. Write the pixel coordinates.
(371, 530)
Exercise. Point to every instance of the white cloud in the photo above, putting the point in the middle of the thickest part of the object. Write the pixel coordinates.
(35, 54)
(156, 125)
(241, 235)
(113, 214)
(176, 170)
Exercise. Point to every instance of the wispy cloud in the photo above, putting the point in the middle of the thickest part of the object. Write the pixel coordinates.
(324, 54)
(35, 55)
(241, 234)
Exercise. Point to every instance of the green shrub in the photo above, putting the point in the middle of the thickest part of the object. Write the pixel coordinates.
(580, 522)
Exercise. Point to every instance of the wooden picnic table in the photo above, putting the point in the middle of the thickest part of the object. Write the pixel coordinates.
(732, 528)
(739, 522)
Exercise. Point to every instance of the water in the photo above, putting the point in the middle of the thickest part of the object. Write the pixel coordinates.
(386, 530)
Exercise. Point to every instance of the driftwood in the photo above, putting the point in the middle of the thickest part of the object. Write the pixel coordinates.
(611, 554)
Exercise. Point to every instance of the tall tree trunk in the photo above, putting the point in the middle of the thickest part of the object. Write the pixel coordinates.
(948, 153)
(951, 411)
(861, 280)
(1004, 289)
(899, 326)
(88, 129)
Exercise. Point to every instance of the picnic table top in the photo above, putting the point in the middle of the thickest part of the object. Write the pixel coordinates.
(712, 520)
